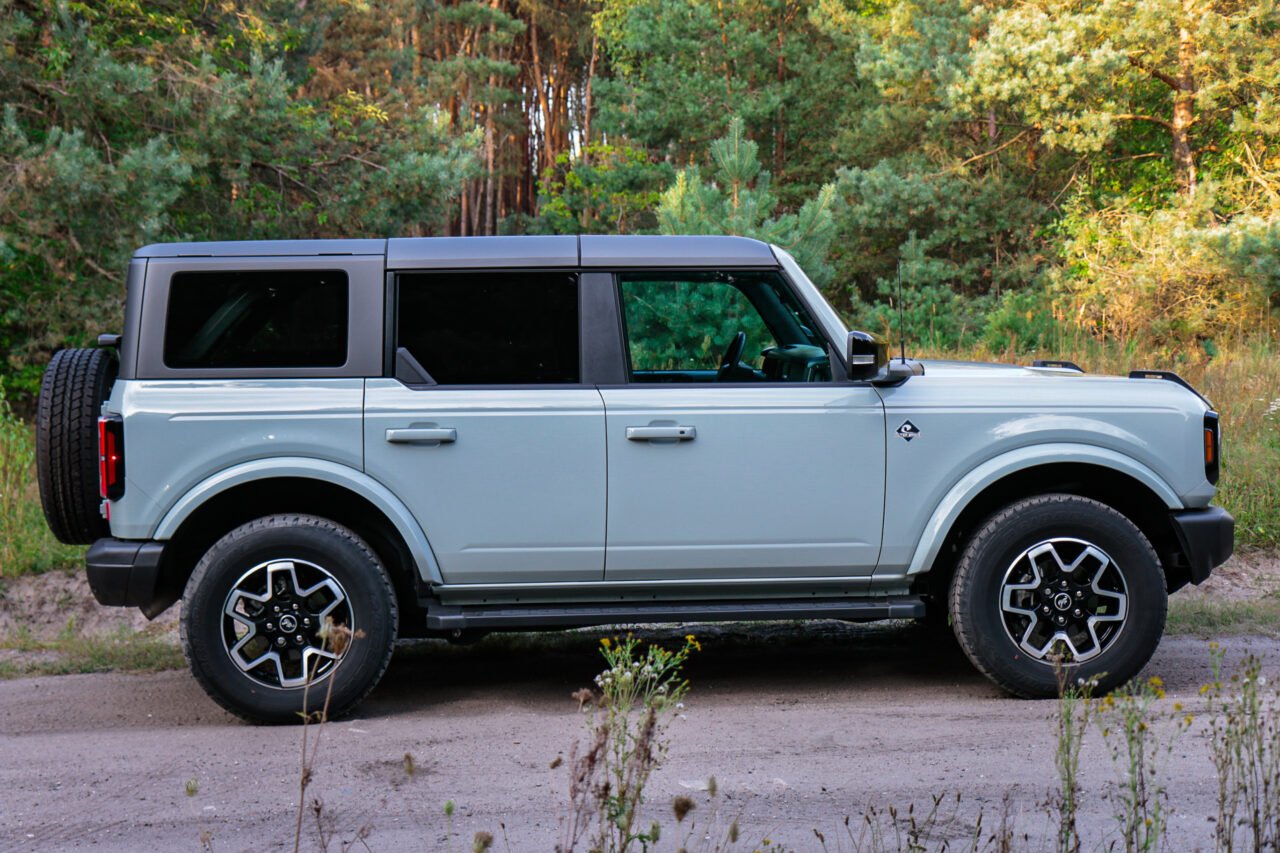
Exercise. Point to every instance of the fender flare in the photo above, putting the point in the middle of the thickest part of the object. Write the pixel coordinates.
(975, 481)
(313, 469)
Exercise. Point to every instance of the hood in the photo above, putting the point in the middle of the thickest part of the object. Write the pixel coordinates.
(1154, 388)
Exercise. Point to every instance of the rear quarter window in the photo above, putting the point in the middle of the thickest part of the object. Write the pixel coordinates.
(247, 319)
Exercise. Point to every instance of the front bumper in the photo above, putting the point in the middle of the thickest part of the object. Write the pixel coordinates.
(124, 572)
(1207, 537)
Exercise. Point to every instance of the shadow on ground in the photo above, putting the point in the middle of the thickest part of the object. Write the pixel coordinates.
(754, 658)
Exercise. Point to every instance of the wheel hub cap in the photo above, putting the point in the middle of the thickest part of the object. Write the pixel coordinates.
(272, 621)
(1063, 598)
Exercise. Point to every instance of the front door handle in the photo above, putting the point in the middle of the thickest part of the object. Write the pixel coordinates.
(422, 435)
(661, 433)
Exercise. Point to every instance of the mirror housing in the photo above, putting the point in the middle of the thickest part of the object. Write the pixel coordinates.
(866, 356)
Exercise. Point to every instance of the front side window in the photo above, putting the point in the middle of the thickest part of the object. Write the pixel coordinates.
(491, 328)
(721, 326)
(257, 318)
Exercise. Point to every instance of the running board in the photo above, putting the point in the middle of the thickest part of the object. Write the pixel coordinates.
(443, 617)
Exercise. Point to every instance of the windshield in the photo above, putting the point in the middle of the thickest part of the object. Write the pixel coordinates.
(826, 315)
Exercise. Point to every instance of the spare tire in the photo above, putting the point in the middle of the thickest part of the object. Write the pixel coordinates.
(75, 384)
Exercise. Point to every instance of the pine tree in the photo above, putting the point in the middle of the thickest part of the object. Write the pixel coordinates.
(739, 200)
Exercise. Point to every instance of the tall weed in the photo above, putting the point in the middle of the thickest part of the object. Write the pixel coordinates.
(1244, 743)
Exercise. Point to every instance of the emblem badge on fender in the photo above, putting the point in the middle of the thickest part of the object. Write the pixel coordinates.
(908, 431)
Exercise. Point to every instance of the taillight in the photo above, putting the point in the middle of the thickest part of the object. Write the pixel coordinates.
(111, 457)
(1212, 448)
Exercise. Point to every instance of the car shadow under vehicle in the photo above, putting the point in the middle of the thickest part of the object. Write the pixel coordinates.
(784, 658)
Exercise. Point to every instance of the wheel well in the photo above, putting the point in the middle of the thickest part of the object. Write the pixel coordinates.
(1128, 496)
(240, 504)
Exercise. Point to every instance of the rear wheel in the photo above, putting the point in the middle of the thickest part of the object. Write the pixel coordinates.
(1058, 580)
(75, 384)
(255, 612)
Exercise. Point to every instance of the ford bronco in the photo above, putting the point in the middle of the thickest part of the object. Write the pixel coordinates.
(441, 437)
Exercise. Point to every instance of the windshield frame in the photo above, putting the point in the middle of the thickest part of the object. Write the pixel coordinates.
(832, 325)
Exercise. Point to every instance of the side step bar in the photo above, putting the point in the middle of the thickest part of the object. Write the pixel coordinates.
(442, 617)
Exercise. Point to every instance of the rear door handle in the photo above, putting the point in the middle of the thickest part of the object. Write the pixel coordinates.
(660, 433)
(422, 435)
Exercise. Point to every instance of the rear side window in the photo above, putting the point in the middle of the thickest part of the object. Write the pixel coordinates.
(257, 319)
(491, 328)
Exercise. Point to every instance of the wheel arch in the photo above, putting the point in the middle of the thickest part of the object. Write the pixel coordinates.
(348, 497)
(1102, 475)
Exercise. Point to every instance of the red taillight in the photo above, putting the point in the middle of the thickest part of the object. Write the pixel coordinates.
(111, 458)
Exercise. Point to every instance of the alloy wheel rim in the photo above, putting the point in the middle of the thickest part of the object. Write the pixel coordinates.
(272, 622)
(1063, 599)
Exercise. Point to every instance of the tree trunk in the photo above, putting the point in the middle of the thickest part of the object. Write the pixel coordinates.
(586, 100)
(540, 86)
(490, 144)
(1184, 97)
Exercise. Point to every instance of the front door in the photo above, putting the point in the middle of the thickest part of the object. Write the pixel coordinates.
(487, 434)
(732, 453)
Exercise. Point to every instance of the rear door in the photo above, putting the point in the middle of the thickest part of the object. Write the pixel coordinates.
(488, 434)
(732, 452)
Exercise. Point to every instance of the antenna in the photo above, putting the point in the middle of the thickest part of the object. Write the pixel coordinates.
(902, 322)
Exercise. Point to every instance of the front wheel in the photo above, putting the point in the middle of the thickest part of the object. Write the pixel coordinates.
(255, 612)
(1058, 581)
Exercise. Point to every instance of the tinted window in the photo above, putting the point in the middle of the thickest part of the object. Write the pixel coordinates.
(257, 319)
(515, 328)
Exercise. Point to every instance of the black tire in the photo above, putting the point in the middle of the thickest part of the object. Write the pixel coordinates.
(1116, 628)
(75, 384)
(316, 550)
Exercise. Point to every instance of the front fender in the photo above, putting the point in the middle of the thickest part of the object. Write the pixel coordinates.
(314, 469)
(973, 483)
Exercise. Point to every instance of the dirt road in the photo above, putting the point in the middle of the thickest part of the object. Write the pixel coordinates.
(800, 726)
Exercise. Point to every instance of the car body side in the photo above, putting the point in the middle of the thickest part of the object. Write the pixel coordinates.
(195, 441)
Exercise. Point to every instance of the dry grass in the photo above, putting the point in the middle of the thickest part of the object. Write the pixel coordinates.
(72, 653)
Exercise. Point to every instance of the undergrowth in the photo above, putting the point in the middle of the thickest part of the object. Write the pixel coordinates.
(26, 545)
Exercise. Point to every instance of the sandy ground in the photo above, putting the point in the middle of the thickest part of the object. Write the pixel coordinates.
(802, 725)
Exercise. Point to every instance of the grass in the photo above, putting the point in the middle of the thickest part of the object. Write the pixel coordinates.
(75, 653)
(26, 545)
(1199, 617)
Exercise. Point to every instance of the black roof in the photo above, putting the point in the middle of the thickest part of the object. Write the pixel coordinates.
(464, 252)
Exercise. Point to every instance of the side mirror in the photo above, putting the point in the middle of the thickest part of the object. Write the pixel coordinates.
(865, 356)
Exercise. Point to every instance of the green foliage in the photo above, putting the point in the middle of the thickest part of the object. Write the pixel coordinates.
(682, 70)
(125, 126)
(611, 189)
(739, 200)
(1172, 275)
